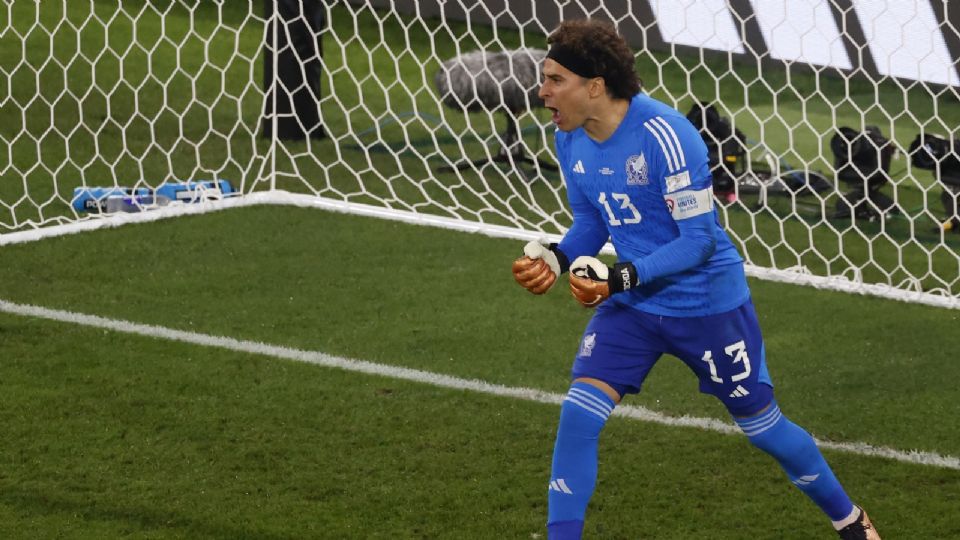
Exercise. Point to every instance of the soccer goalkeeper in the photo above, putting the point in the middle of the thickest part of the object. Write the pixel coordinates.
(636, 171)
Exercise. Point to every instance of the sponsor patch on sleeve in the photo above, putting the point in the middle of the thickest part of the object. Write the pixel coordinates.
(678, 181)
(687, 204)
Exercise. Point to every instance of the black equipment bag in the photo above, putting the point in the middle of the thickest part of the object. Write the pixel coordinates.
(862, 155)
(928, 150)
(726, 145)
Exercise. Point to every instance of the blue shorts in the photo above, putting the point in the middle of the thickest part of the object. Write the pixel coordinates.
(621, 345)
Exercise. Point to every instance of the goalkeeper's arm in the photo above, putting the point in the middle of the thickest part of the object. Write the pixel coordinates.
(592, 282)
(539, 267)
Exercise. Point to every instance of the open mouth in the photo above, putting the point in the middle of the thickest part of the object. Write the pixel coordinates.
(556, 115)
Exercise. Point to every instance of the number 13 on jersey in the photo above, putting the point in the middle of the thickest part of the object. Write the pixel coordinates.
(624, 201)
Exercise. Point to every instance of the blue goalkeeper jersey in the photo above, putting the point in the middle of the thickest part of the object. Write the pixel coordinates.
(648, 189)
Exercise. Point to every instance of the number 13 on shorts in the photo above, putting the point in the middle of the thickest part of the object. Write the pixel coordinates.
(737, 353)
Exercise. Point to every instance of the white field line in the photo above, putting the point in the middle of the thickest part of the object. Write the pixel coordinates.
(445, 381)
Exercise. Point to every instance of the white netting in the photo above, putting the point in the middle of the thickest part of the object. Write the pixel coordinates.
(427, 111)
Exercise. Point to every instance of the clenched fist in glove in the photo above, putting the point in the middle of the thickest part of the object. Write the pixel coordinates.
(592, 282)
(539, 267)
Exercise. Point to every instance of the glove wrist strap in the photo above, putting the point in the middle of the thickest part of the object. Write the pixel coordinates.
(623, 278)
(561, 258)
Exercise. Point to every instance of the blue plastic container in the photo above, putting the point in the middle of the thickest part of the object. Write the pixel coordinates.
(94, 199)
(195, 191)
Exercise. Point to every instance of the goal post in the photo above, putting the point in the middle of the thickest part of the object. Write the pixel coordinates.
(832, 133)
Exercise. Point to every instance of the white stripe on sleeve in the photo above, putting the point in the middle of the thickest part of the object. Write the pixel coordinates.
(670, 166)
(676, 141)
(668, 142)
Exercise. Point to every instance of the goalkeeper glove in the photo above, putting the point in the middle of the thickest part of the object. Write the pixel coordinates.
(592, 282)
(539, 267)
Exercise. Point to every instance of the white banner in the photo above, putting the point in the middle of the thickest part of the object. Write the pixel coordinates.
(903, 37)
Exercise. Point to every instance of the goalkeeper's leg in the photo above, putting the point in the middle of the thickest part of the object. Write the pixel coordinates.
(798, 455)
(727, 353)
(619, 348)
(574, 472)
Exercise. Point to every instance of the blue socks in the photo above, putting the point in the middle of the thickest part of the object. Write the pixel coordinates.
(585, 411)
(574, 475)
(797, 453)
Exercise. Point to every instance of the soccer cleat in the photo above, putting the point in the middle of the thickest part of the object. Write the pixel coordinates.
(861, 529)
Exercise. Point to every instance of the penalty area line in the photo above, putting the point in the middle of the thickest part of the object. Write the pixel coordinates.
(436, 379)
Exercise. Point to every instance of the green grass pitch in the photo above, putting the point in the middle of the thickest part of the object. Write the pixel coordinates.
(113, 435)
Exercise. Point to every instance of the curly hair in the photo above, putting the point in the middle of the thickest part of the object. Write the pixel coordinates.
(599, 42)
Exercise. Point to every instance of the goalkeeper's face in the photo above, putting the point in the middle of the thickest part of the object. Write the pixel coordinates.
(566, 94)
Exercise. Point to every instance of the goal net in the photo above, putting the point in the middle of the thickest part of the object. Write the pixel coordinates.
(830, 123)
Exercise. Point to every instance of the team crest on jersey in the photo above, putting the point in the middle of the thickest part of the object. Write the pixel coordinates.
(637, 171)
(586, 347)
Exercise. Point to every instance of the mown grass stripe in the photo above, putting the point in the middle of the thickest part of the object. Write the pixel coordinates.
(437, 379)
